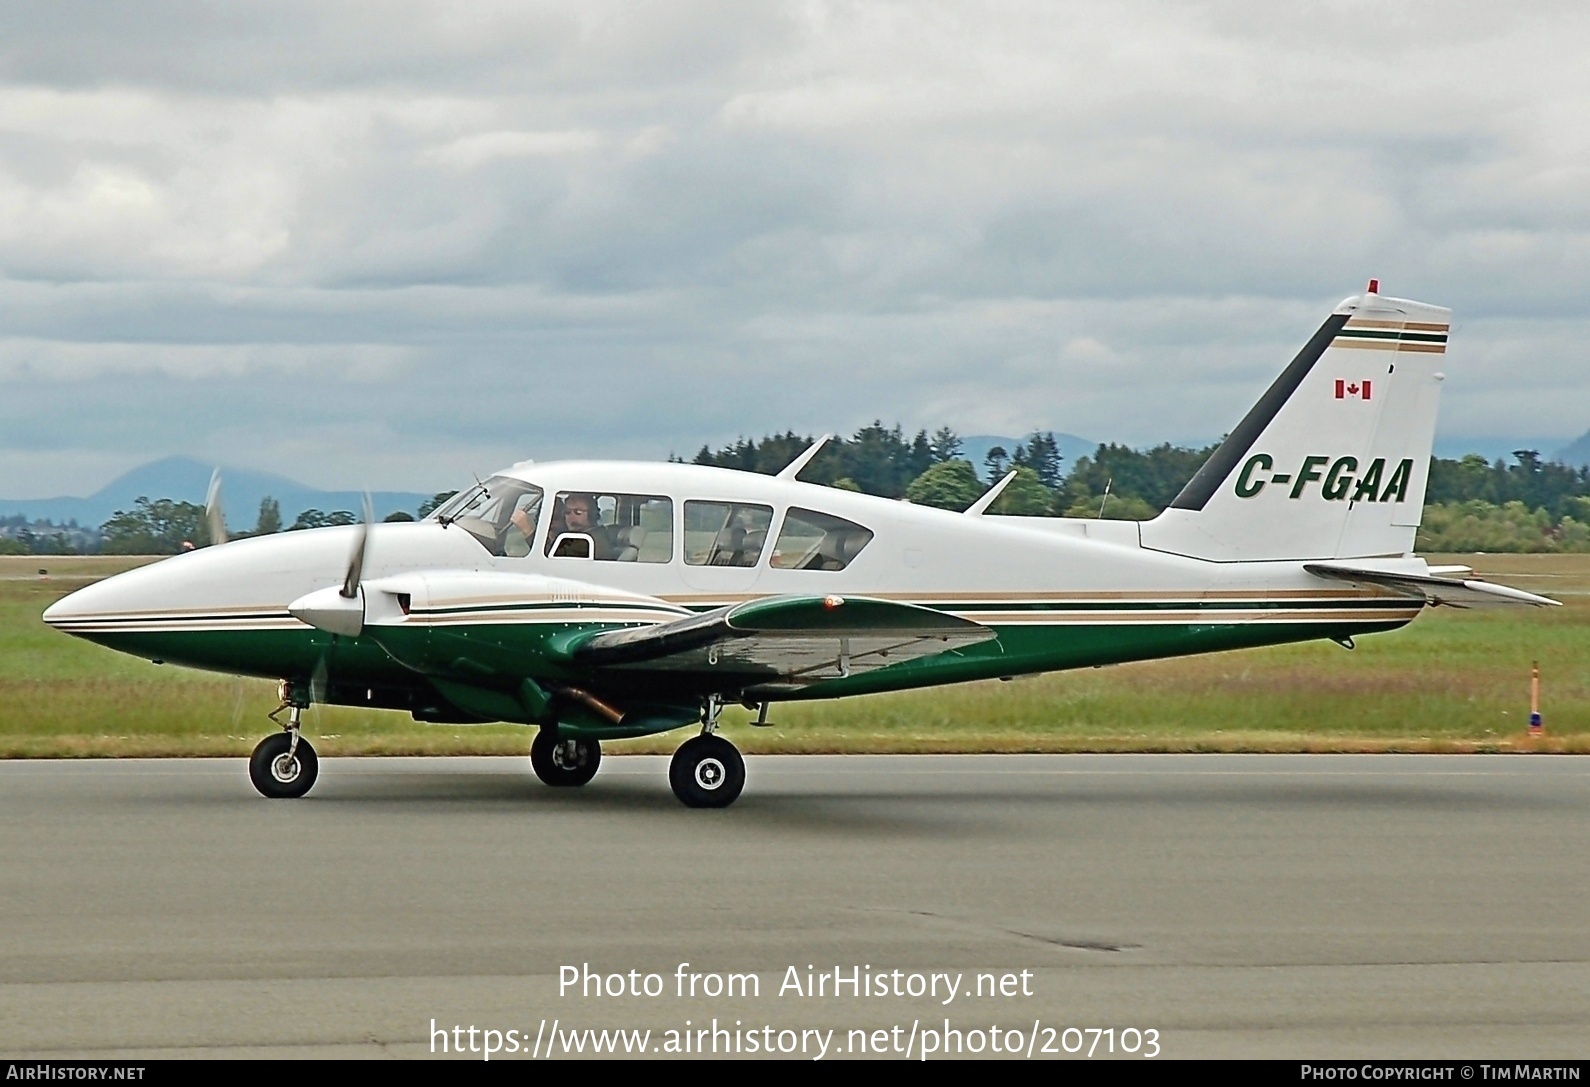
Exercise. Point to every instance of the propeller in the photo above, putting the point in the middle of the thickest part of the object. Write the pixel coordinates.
(361, 548)
(320, 680)
(239, 700)
(347, 618)
(340, 610)
(214, 517)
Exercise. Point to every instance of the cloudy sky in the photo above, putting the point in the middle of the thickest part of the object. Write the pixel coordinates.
(388, 245)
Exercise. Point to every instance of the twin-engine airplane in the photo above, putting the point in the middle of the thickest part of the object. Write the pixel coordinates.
(599, 601)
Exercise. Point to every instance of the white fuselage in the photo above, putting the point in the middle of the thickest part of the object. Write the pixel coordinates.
(993, 570)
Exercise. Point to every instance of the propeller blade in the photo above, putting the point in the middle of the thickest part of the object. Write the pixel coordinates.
(239, 699)
(319, 681)
(214, 518)
(361, 549)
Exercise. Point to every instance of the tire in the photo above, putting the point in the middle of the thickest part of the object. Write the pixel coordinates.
(550, 759)
(277, 776)
(707, 772)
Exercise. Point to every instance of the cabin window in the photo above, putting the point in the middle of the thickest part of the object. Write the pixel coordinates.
(621, 527)
(809, 540)
(501, 513)
(725, 533)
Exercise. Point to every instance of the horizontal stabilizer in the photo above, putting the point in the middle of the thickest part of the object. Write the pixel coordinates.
(785, 639)
(1435, 590)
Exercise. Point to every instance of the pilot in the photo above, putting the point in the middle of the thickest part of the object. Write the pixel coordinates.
(579, 515)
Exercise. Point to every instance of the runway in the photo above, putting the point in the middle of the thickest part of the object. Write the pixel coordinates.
(1277, 906)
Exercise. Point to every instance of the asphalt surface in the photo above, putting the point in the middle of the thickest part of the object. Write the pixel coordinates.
(1292, 906)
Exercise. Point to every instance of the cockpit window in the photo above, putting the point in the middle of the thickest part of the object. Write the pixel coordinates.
(501, 513)
(725, 533)
(809, 540)
(620, 527)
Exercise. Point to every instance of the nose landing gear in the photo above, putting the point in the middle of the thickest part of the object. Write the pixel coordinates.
(284, 765)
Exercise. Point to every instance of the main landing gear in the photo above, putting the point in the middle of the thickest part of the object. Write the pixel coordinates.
(707, 771)
(564, 762)
(284, 764)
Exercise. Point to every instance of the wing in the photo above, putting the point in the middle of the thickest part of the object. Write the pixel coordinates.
(1436, 591)
(785, 640)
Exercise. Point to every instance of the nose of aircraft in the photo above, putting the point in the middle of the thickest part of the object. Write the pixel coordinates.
(209, 585)
(77, 611)
(219, 608)
(216, 607)
(146, 595)
(243, 584)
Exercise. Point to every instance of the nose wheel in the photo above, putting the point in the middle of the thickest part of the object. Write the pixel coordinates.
(284, 765)
(561, 761)
(707, 772)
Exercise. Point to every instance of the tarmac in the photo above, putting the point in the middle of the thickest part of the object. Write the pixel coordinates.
(1301, 906)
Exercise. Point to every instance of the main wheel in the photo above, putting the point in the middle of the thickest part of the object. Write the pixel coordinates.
(707, 772)
(277, 774)
(563, 762)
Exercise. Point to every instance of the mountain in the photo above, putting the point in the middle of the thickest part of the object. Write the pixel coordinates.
(1576, 455)
(183, 479)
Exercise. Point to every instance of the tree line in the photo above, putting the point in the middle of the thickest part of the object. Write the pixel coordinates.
(1472, 504)
(930, 470)
(164, 527)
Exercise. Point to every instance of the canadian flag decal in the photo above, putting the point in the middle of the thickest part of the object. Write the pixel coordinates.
(1352, 390)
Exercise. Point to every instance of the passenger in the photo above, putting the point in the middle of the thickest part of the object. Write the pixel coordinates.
(578, 514)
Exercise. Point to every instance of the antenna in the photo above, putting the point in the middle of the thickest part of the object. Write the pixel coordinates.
(1108, 483)
(793, 468)
(976, 508)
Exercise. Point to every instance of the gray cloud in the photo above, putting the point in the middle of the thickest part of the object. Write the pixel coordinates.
(407, 241)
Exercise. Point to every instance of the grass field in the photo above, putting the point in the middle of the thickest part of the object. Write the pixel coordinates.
(1453, 681)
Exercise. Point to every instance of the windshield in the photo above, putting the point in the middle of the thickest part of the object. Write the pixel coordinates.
(501, 513)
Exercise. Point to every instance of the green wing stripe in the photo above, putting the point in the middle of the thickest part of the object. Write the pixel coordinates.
(786, 616)
(842, 614)
(563, 605)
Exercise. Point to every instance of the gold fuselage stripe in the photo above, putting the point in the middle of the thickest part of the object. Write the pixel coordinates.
(1412, 326)
(1391, 345)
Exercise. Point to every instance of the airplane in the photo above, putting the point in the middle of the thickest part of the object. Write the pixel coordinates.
(598, 601)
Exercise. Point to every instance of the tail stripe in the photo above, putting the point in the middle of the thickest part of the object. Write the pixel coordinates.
(1207, 481)
(1366, 333)
(1355, 323)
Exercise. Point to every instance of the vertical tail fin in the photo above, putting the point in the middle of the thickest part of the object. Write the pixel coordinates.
(1333, 460)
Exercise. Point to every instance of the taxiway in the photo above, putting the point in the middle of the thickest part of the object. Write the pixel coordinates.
(1240, 905)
